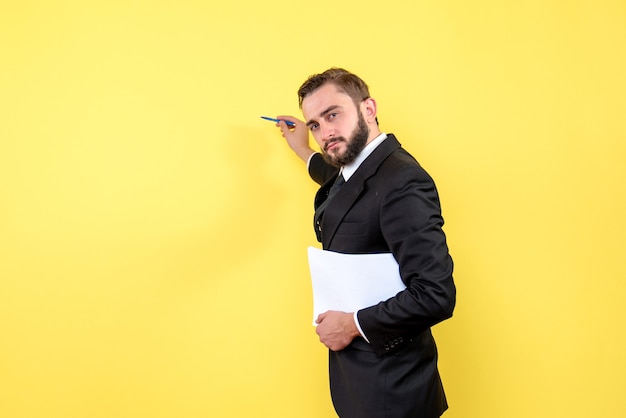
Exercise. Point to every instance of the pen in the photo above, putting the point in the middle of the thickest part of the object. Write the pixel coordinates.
(278, 120)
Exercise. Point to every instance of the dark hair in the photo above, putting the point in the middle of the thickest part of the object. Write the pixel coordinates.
(344, 80)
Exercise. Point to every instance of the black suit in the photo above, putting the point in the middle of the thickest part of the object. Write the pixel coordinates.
(390, 204)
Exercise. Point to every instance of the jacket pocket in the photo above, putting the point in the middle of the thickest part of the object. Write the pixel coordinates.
(352, 228)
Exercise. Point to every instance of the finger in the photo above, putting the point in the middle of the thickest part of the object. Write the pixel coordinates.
(291, 119)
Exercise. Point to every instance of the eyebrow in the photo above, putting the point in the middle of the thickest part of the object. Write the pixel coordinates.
(325, 112)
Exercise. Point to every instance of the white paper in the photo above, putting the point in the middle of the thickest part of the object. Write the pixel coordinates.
(349, 282)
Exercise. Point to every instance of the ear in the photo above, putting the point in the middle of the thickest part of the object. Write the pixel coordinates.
(368, 107)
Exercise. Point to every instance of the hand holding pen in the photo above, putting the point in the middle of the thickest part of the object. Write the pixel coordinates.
(296, 133)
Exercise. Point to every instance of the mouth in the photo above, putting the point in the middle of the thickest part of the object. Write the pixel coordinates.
(331, 145)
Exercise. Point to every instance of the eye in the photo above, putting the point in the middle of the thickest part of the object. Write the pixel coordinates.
(314, 126)
(332, 115)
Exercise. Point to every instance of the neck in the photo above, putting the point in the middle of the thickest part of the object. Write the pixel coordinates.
(374, 132)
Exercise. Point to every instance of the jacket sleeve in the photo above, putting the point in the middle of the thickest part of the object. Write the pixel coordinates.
(411, 223)
(319, 170)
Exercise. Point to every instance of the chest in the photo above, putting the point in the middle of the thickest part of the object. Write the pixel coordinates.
(352, 221)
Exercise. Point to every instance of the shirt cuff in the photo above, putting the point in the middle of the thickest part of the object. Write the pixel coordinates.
(358, 326)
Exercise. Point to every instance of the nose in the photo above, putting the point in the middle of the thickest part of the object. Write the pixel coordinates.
(327, 133)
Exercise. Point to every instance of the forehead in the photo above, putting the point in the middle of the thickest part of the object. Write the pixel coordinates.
(321, 99)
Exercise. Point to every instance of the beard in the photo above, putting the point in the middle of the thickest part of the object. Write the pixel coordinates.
(354, 145)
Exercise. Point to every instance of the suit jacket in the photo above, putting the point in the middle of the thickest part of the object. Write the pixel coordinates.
(390, 204)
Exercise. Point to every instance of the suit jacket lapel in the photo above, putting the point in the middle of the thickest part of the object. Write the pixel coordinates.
(349, 193)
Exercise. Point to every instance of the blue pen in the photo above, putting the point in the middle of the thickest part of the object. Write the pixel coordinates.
(278, 120)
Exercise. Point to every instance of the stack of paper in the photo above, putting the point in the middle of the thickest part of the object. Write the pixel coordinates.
(349, 282)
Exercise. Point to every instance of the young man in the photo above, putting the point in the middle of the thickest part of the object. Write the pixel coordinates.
(382, 359)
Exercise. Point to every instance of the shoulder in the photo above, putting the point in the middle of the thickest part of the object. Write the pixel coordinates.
(401, 164)
(319, 170)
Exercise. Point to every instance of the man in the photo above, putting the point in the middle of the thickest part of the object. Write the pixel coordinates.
(382, 359)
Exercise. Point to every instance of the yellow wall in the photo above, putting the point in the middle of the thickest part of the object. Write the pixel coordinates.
(153, 228)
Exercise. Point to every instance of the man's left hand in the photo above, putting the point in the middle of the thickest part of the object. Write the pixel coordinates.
(336, 329)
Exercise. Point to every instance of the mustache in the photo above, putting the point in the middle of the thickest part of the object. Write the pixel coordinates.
(334, 141)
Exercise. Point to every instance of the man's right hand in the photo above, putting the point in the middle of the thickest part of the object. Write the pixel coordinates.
(297, 136)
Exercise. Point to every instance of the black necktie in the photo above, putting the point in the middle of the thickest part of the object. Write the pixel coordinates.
(320, 210)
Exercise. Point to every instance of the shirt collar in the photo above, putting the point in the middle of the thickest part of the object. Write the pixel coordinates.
(348, 170)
